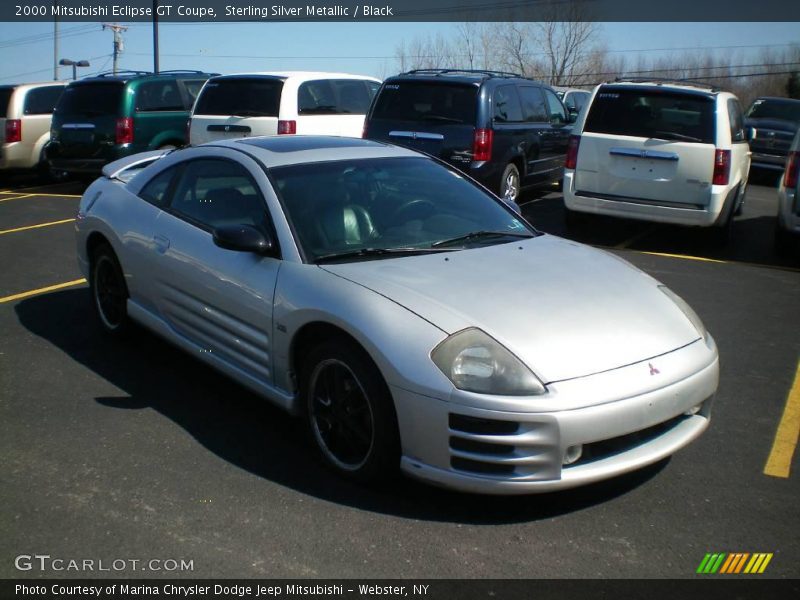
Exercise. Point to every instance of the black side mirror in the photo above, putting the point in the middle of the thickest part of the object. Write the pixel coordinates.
(245, 238)
(750, 133)
(572, 115)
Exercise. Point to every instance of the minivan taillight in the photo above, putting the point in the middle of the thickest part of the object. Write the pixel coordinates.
(364, 130)
(792, 168)
(722, 167)
(572, 152)
(124, 131)
(482, 144)
(13, 131)
(287, 127)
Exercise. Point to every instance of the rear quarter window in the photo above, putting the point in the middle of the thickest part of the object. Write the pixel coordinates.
(246, 97)
(158, 96)
(651, 113)
(5, 100)
(422, 101)
(334, 96)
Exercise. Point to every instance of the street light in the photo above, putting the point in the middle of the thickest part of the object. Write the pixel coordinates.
(74, 64)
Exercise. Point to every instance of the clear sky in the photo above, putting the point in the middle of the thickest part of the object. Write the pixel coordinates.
(26, 49)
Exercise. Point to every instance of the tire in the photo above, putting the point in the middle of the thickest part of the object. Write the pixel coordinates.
(721, 235)
(109, 292)
(783, 241)
(510, 183)
(349, 412)
(574, 220)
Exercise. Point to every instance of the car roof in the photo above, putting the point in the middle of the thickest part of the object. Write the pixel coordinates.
(275, 151)
(475, 77)
(130, 76)
(688, 87)
(778, 99)
(308, 75)
(28, 86)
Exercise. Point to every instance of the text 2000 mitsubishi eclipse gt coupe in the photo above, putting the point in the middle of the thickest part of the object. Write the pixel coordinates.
(409, 316)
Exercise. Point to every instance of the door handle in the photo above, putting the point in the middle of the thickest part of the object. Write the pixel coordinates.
(161, 242)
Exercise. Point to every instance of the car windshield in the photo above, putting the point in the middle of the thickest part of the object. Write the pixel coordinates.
(785, 110)
(652, 113)
(379, 208)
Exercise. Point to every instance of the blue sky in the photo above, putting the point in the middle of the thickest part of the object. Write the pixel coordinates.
(365, 48)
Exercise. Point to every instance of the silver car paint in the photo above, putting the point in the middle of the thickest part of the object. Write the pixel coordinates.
(253, 307)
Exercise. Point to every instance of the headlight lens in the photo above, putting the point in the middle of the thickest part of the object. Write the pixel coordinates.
(687, 310)
(475, 362)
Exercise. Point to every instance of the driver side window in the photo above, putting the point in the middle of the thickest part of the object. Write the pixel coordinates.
(554, 107)
(214, 192)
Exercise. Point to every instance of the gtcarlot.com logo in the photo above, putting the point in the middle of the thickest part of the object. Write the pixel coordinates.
(45, 562)
(734, 563)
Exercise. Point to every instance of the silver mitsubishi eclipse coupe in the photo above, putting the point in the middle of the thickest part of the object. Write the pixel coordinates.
(413, 319)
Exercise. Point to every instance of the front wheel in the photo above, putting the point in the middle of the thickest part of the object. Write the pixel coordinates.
(109, 292)
(510, 184)
(349, 412)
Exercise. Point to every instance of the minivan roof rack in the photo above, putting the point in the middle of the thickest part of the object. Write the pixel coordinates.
(122, 73)
(486, 72)
(666, 80)
(177, 71)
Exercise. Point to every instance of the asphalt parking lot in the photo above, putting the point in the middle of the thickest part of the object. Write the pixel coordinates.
(137, 451)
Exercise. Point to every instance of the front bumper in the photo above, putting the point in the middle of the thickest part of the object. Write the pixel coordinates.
(505, 452)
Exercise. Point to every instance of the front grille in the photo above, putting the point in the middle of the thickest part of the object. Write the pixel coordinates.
(501, 448)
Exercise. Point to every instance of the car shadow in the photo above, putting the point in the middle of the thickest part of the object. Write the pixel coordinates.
(249, 432)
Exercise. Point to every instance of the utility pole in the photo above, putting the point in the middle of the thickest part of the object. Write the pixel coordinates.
(55, 40)
(155, 37)
(118, 45)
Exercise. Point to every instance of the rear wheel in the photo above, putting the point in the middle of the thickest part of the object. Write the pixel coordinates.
(510, 183)
(784, 241)
(109, 292)
(349, 412)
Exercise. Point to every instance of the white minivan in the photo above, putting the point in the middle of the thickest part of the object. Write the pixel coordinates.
(26, 112)
(280, 103)
(663, 151)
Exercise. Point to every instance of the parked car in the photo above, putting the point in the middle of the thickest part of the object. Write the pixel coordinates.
(787, 231)
(504, 130)
(25, 114)
(574, 99)
(669, 152)
(280, 103)
(775, 121)
(411, 316)
(100, 119)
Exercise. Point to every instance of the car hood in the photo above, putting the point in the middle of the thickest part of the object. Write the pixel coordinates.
(565, 309)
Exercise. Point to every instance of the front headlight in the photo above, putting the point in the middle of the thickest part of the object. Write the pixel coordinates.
(687, 310)
(475, 362)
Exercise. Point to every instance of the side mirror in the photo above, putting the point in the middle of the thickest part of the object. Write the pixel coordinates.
(572, 115)
(245, 238)
(750, 133)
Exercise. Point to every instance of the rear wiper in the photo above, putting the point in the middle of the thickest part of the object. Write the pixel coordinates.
(327, 108)
(477, 235)
(251, 113)
(441, 118)
(373, 252)
(671, 135)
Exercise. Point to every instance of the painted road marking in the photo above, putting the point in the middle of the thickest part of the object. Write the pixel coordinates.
(717, 260)
(687, 257)
(44, 290)
(780, 457)
(28, 195)
(27, 227)
(16, 197)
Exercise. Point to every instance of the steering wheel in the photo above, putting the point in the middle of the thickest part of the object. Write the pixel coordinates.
(416, 208)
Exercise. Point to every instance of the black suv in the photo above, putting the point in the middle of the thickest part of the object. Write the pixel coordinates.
(504, 130)
(774, 121)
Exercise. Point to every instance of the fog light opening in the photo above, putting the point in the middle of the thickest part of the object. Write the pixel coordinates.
(573, 454)
(694, 410)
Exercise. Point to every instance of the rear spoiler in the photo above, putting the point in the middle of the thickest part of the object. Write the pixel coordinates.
(113, 170)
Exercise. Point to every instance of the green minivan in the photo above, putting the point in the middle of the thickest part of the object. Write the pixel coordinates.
(100, 119)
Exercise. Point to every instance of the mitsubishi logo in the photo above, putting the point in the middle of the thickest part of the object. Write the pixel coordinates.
(653, 370)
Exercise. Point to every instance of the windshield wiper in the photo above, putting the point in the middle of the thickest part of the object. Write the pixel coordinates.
(441, 118)
(374, 252)
(478, 235)
(671, 135)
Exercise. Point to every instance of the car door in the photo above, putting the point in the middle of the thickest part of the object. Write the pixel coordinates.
(510, 139)
(559, 131)
(537, 146)
(220, 300)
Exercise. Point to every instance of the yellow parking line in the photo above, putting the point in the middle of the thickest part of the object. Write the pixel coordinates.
(780, 457)
(685, 256)
(26, 195)
(16, 197)
(44, 290)
(26, 228)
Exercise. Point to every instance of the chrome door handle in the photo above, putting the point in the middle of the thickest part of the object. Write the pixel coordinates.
(162, 243)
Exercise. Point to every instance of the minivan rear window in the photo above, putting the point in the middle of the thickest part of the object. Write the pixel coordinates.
(244, 97)
(5, 99)
(652, 113)
(423, 101)
(91, 99)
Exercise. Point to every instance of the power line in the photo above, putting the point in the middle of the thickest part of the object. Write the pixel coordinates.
(46, 37)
